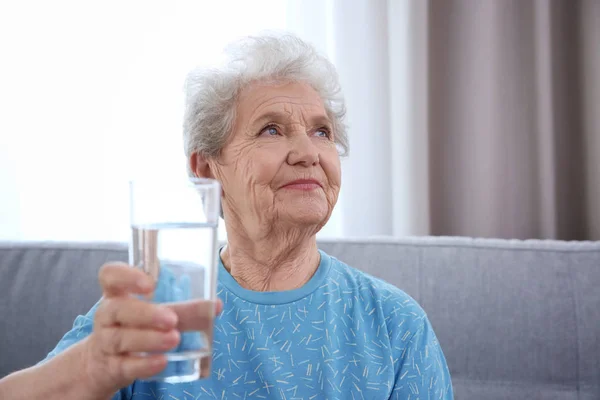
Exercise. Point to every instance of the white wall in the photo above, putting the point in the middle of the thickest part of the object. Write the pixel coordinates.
(92, 96)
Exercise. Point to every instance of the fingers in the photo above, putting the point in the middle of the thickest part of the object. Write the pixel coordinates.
(132, 312)
(195, 315)
(205, 363)
(119, 278)
(119, 340)
(125, 326)
(133, 367)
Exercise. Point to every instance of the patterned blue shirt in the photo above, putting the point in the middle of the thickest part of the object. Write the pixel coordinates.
(343, 335)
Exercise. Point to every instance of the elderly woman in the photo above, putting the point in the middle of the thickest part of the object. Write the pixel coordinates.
(296, 322)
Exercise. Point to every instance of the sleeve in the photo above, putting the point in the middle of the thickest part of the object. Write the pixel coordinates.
(423, 372)
(83, 327)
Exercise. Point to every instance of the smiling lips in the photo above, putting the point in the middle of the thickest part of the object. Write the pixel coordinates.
(303, 184)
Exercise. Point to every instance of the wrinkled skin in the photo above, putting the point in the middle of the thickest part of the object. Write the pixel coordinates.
(281, 134)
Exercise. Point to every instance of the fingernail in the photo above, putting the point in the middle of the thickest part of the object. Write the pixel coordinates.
(166, 318)
(171, 339)
(144, 284)
(156, 361)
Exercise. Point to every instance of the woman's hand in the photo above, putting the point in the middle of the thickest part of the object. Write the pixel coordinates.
(125, 325)
(106, 361)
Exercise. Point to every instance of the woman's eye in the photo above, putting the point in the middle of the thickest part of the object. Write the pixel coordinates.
(322, 133)
(270, 131)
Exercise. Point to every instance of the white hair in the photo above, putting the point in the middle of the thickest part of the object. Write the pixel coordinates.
(211, 94)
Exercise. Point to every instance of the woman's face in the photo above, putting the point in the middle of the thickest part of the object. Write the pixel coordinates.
(281, 165)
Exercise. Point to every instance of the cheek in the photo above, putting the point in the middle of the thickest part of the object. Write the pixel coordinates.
(332, 167)
(256, 165)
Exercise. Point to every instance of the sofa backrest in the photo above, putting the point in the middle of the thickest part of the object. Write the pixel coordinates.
(515, 319)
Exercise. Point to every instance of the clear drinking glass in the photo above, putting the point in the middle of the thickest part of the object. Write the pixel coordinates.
(174, 239)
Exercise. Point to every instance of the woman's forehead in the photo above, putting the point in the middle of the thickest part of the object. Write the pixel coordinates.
(258, 100)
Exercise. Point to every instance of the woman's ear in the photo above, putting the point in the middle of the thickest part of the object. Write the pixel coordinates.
(200, 166)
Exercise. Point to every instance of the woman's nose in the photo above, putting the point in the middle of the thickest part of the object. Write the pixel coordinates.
(303, 152)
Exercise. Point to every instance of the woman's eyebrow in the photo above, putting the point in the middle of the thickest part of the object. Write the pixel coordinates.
(269, 116)
(320, 120)
(277, 116)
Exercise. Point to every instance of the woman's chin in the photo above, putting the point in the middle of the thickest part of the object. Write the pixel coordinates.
(306, 216)
(303, 210)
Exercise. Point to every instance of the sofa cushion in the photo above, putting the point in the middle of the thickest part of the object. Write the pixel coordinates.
(43, 288)
(515, 319)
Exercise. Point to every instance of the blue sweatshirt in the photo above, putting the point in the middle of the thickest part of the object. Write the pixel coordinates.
(343, 335)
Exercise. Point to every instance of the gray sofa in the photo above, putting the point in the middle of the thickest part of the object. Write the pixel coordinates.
(516, 320)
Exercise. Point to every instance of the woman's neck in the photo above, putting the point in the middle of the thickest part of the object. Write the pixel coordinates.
(271, 265)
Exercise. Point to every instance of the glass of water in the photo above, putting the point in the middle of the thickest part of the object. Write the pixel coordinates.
(174, 239)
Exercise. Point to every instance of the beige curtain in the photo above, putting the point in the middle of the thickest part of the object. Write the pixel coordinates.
(513, 118)
(466, 117)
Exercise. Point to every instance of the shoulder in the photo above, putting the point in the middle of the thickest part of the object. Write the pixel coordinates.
(398, 307)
